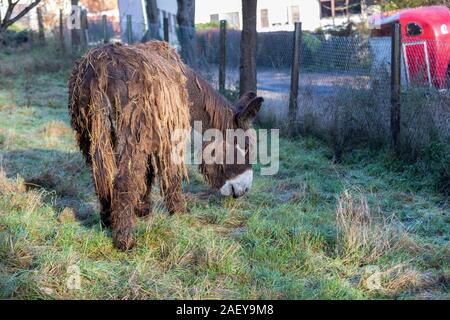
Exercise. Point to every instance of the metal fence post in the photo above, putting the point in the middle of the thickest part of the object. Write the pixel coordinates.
(222, 54)
(129, 29)
(166, 29)
(295, 74)
(105, 29)
(396, 84)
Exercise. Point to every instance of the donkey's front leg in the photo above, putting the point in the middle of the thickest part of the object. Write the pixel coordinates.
(129, 188)
(173, 196)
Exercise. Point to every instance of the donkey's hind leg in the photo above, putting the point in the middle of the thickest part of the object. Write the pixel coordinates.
(129, 188)
(173, 197)
(105, 211)
(144, 208)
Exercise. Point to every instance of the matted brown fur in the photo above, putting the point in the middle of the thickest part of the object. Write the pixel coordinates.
(212, 110)
(210, 107)
(124, 103)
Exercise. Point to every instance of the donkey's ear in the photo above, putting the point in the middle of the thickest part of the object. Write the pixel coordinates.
(244, 100)
(249, 113)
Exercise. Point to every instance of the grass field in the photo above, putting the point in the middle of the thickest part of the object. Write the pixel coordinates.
(370, 227)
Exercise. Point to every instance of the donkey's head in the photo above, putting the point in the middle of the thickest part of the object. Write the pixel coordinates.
(234, 176)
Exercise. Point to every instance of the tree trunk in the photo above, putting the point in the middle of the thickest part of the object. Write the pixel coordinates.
(6, 19)
(248, 48)
(186, 31)
(151, 9)
(40, 26)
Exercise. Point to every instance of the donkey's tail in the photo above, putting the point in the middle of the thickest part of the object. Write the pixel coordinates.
(102, 154)
(91, 110)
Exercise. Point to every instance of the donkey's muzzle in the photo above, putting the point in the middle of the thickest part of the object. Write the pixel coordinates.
(239, 185)
(238, 194)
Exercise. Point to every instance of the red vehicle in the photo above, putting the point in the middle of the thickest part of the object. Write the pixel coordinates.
(426, 42)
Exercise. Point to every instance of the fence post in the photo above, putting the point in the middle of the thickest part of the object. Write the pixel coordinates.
(222, 54)
(84, 27)
(61, 31)
(295, 74)
(166, 29)
(396, 84)
(40, 26)
(105, 29)
(75, 27)
(129, 29)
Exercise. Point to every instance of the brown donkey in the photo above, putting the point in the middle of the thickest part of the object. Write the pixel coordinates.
(125, 104)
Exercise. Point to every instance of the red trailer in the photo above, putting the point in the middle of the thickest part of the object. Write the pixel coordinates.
(426, 42)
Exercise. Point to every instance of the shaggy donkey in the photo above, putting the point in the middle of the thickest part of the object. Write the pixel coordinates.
(125, 103)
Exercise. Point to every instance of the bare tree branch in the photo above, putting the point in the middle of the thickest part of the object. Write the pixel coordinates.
(8, 21)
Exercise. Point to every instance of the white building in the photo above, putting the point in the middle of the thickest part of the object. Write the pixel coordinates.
(280, 15)
(136, 8)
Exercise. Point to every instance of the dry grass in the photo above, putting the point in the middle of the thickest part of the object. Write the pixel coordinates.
(68, 214)
(7, 138)
(9, 186)
(54, 130)
(362, 236)
(18, 197)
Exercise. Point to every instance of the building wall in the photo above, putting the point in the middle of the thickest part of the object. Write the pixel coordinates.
(166, 8)
(280, 13)
(135, 8)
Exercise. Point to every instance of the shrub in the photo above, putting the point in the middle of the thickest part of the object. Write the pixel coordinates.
(14, 38)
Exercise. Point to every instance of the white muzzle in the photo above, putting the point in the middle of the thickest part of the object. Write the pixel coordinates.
(239, 185)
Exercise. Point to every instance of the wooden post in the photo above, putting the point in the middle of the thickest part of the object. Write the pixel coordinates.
(84, 27)
(40, 25)
(295, 75)
(166, 29)
(61, 31)
(396, 84)
(248, 46)
(129, 29)
(105, 29)
(75, 31)
(222, 54)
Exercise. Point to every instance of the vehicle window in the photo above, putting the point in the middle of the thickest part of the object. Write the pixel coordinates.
(413, 29)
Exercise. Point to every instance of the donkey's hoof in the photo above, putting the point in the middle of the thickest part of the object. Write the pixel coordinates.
(143, 210)
(124, 244)
(180, 209)
(105, 221)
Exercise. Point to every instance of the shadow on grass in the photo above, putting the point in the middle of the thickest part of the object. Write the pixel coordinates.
(64, 175)
(69, 185)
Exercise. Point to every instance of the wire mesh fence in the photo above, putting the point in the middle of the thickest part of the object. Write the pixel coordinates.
(345, 84)
(340, 88)
(102, 28)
